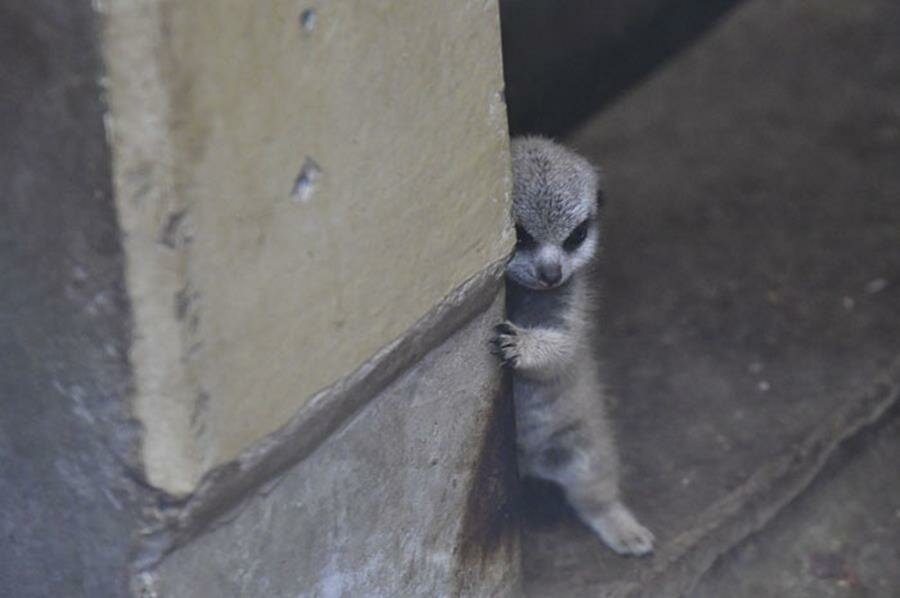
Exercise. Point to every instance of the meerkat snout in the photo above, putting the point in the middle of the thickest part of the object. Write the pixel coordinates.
(549, 273)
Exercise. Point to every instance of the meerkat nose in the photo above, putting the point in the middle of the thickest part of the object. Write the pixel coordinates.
(550, 274)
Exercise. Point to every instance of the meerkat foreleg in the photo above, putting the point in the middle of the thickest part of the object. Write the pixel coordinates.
(535, 352)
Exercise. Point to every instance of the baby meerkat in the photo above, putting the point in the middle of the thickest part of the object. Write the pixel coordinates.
(563, 432)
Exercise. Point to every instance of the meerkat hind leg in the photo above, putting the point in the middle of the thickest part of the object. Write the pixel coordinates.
(582, 458)
(609, 518)
(588, 474)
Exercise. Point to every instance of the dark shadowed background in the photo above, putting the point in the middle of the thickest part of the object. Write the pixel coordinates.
(565, 60)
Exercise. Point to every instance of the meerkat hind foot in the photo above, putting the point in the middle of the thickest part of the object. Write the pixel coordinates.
(619, 529)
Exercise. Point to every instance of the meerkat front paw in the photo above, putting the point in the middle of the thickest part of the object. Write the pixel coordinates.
(619, 529)
(505, 344)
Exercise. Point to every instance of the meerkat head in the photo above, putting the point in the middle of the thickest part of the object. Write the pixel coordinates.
(556, 197)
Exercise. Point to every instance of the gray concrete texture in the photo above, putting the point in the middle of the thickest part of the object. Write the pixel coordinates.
(213, 108)
(69, 490)
(841, 539)
(414, 494)
(403, 501)
(752, 306)
(751, 315)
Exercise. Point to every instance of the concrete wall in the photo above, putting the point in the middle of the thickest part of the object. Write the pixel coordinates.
(214, 108)
(413, 497)
(68, 453)
(251, 256)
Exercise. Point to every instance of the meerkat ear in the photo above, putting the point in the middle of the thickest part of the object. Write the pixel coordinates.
(601, 198)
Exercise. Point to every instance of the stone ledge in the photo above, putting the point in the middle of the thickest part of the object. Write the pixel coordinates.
(837, 539)
(174, 523)
(683, 560)
(413, 496)
(754, 504)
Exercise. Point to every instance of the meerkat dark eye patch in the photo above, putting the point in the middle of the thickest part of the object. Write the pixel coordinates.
(523, 239)
(577, 236)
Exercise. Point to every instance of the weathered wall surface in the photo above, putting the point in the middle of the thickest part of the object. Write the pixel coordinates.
(215, 107)
(411, 498)
(219, 378)
(67, 500)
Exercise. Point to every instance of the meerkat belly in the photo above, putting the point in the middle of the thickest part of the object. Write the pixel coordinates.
(536, 408)
(555, 422)
(546, 424)
(542, 405)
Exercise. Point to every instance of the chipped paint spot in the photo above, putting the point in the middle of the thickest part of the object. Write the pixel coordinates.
(168, 236)
(305, 184)
(308, 20)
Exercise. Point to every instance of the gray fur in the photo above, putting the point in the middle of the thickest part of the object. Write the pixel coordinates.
(563, 433)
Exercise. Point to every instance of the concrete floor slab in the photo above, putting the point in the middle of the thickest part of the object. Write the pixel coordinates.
(840, 539)
(752, 306)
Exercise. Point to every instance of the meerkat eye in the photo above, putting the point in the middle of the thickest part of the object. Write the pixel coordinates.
(577, 236)
(523, 239)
